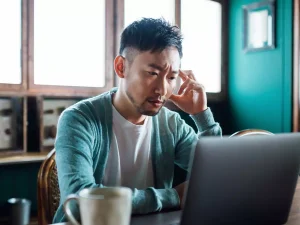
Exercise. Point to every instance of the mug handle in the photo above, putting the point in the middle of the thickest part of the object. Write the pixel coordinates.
(68, 210)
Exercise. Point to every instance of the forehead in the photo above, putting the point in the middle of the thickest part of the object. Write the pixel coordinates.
(167, 57)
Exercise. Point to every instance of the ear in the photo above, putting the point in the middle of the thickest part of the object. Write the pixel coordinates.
(119, 66)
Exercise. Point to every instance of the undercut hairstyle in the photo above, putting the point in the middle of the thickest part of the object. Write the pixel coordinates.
(149, 34)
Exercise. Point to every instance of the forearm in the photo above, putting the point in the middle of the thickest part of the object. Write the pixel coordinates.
(154, 200)
(143, 201)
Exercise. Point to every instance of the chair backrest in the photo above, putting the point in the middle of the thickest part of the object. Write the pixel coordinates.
(248, 132)
(48, 190)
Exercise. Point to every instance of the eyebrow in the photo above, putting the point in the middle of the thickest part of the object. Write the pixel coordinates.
(158, 67)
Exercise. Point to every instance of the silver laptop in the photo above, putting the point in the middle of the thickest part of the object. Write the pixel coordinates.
(242, 180)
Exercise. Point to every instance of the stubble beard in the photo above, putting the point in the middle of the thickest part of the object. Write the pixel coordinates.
(140, 109)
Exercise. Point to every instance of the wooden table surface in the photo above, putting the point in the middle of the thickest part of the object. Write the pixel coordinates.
(172, 217)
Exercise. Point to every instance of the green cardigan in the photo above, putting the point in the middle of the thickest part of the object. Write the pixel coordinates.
(83, 144)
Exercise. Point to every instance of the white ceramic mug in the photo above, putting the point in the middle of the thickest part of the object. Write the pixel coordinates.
(101, 206)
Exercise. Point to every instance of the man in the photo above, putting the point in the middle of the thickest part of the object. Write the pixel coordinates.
(125, 137)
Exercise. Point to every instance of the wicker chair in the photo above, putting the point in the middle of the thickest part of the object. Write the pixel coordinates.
(48, 190)
(248, 132)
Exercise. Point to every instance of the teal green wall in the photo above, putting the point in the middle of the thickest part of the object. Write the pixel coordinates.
(18, 181)
(260, 83)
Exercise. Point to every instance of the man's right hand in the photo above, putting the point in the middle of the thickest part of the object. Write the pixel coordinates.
(181, 190)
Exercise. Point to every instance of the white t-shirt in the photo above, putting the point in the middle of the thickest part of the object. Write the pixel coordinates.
(129, 162)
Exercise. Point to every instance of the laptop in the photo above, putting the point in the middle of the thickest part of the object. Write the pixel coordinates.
(242, 180)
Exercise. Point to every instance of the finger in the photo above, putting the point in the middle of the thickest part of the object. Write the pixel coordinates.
(190, 74)
(183, 75)
(199, 87)
(174, 98)
(189, 88)
(183, 86)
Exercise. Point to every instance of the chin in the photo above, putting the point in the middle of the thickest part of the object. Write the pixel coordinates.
(149, 112)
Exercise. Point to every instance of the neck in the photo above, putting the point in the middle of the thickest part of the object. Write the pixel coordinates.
(125, 107)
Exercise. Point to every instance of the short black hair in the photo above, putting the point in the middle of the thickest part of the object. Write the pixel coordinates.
(150, 34)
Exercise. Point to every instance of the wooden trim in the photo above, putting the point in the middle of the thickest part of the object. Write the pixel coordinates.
(40, 121)
(25, 133)
(223, 95)
(30, 75)
(55, 90)
(296, 68)
(19, 158)
(46, 93)
(119, 17)
(24, 38)
(119, 26)
(109, 45)
(178, 12)
(10, 87)
(52, 90)
(224, 53)
(9, 152)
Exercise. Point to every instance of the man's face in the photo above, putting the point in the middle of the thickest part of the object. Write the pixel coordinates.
(150, 79)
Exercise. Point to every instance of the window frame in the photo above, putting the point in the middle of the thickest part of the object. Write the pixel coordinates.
(56, 90)
(215, 97)
(296, 67)
(223, 95)
(114, 27)
(11, 88)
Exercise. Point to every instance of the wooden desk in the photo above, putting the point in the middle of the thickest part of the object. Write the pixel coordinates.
(173, 217)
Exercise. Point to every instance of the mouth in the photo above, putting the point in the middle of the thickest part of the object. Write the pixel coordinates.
(156, 102)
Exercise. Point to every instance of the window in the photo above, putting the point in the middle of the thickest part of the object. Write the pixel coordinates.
(201, 25)
(136, 9)
(69, 50)
(69, 43)
(10, 42)
(202, 41)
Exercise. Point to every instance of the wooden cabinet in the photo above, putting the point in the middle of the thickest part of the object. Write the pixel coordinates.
(43, 115)
(12, 125)
(49, 111)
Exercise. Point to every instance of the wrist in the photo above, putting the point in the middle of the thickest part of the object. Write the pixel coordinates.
(202, 109)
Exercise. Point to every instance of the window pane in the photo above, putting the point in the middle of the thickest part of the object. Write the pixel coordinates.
(10, 41)
(202, 41)
(69, 42)
(136, 9)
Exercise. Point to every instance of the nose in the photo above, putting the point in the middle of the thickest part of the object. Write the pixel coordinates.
(162, 87)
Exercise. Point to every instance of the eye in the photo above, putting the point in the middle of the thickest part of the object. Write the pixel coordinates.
(172, 78)
(152, 73)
